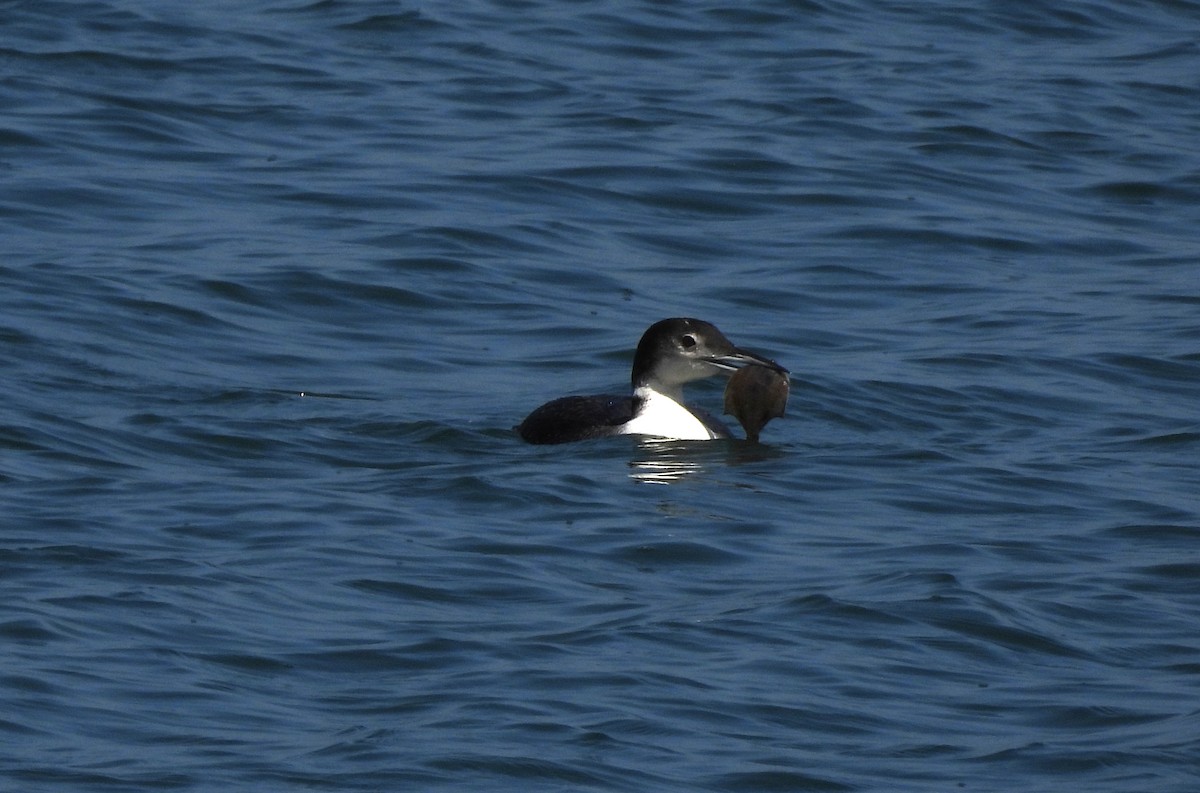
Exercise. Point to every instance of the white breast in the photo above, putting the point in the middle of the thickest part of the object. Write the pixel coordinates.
(663, 417)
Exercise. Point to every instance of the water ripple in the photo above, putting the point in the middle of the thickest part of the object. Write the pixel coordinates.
(281, 278)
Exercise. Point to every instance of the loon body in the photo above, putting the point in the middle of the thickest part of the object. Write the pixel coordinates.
(672, 352)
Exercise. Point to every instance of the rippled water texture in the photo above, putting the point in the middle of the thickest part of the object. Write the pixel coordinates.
(279, 277)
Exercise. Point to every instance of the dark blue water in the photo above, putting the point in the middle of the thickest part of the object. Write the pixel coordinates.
(279, 277)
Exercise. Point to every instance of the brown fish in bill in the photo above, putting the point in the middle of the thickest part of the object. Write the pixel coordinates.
(755, 395)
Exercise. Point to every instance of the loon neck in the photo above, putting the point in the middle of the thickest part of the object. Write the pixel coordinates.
(662, 413)
(648, 389)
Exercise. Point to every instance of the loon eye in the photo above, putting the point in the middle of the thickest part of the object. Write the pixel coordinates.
(688, 341)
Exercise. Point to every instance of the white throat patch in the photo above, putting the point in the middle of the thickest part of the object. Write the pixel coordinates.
(663, 417)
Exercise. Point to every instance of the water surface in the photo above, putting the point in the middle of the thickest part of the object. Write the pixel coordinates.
(280, 277)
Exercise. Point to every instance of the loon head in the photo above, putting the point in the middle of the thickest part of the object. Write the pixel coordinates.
(679, 350)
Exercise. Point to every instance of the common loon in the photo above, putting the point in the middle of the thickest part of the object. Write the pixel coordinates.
(755, 395)
(671, 352)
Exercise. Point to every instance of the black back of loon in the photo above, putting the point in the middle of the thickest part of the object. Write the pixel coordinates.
(577, 418)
